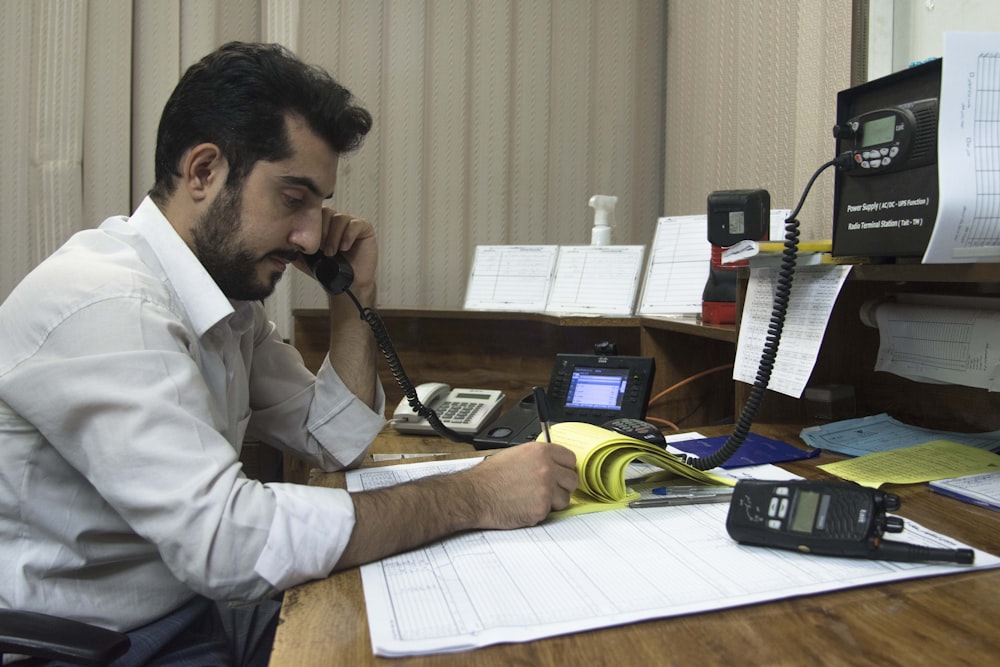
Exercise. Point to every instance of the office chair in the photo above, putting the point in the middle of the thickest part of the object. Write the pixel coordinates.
(53, 638)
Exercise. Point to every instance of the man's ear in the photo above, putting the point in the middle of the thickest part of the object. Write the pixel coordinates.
(203, 172)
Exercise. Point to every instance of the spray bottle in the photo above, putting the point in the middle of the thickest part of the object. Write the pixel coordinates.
(604, 218)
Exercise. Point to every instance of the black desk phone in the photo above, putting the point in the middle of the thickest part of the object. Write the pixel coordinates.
(587, 388)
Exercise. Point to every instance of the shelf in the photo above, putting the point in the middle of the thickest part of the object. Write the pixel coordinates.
(514, 351)
(849, 352)
(928, 273)
(508, 316)
(684, 325)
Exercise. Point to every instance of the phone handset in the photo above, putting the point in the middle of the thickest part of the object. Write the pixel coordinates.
(333, 272)
(429, 393)
(335, 275)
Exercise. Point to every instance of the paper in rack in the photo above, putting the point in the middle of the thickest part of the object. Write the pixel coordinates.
(596, 280)
(938, 339)
(511, 277)
(678, 267)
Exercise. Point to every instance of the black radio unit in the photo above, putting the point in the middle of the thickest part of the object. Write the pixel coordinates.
(886, 204)
(893, 139)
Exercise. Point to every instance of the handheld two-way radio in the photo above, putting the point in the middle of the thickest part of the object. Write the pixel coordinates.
(826, 518)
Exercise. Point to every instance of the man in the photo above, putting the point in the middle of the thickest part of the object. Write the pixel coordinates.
(137, 357)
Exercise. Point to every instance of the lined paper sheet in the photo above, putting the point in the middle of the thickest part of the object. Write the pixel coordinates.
(813, 294)
(596, 280)
(511, 278)
(591, 571)
(941, 340)
(678, 267)
(968, 222)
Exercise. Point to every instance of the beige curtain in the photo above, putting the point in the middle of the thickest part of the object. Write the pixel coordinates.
(496, 120)
(63, 124)
(751, 100)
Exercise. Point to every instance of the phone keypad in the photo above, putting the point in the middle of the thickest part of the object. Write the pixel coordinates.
(458, 412)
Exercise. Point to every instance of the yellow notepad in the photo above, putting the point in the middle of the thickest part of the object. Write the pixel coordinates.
(602, 456)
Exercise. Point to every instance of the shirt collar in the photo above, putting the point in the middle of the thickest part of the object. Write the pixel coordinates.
(201, 297)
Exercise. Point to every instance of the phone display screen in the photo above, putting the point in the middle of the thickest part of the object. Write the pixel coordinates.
(597, 388)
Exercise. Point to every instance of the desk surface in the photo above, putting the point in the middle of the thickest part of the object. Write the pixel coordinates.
(949, 619)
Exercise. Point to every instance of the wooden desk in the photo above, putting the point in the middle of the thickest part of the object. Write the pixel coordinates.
(944, 620)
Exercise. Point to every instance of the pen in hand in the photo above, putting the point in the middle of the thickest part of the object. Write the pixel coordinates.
(542, 408)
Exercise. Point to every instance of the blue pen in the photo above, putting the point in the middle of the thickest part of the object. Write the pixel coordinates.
(542, 408)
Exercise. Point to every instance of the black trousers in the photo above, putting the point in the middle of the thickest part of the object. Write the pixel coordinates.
(204, 633)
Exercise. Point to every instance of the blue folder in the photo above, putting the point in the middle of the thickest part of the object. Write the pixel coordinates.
(755, 450)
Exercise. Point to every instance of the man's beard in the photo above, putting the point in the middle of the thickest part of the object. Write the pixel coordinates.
(232, 266)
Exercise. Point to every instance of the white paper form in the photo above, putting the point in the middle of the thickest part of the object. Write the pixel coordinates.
(968, 222)
(591, 571)
(814, 292)
(923, 340)
(596, 280)
(511, 278)
(678, 267)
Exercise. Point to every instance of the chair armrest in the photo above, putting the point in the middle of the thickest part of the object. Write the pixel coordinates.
(43, 636)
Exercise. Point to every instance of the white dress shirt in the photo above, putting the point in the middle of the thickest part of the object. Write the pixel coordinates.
(127, 384)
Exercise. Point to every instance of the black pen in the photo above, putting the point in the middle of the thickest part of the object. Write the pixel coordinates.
(542, 408)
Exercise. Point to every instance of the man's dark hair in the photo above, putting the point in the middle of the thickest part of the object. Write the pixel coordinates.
(237, 98)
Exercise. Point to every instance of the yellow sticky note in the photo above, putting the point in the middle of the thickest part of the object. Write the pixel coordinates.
(939, 459)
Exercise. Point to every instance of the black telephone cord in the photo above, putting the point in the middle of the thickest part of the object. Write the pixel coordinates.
(384, 343)
(782, 293)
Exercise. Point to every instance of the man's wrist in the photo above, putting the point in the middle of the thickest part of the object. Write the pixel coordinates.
(365, 295)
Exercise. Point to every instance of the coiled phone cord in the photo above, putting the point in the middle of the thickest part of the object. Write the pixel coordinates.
(399, 374)
(779, 308)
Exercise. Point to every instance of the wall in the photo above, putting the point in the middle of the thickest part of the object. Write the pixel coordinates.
(918, 26)
(496, 120)
(751, 100)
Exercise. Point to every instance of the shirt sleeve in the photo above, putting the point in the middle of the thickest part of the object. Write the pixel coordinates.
(133, 416)
(308, 534)
(317, 419)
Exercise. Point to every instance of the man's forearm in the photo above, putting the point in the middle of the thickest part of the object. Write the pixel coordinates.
(353, 351)
(389, 521)
(512, 488)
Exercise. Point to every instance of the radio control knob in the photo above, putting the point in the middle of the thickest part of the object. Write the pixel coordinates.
(890, 502)
(845, 131)
(893, 524)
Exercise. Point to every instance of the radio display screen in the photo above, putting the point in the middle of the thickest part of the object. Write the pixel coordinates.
(879, 131)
